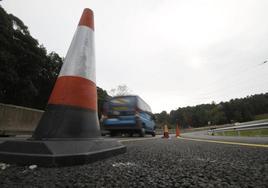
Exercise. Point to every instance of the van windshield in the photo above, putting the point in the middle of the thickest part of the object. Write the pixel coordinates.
(124, 105)
(123, 101)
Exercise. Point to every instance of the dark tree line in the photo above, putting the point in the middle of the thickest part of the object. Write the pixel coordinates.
(27, 71)
(102, 98)
(236, 110)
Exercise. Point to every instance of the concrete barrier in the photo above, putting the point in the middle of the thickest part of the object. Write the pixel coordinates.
(17, 120)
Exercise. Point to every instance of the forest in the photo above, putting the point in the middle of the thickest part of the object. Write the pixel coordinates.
(235, 110)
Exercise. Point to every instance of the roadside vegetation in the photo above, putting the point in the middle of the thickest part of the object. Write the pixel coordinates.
(235, 110)
(256, 132)
(261, 116)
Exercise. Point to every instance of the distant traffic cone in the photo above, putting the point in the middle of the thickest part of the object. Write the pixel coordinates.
(177, 131)
(166, 134)
(68, 132)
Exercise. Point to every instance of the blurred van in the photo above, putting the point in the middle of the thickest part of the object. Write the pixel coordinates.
(128, 114)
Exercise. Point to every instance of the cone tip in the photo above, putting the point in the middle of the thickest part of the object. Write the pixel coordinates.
(87, 18)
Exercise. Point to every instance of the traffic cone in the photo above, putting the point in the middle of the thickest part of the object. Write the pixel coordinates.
(72, 106)
(166, 134)
(68, 132)
(177, 131)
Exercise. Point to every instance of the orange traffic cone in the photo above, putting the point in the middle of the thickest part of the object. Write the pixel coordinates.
(177, 131)
(166, 134)
(68, 132)
(72, 107)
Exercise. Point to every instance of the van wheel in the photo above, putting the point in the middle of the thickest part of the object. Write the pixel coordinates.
(103, 134)
(153, 134)
(113, 133)
(142, 132)
(130, 134)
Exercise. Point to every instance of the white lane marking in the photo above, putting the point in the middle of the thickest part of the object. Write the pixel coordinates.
(225, 142)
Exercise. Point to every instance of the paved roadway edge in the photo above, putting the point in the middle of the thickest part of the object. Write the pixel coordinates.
(225, 142)
(201, 140)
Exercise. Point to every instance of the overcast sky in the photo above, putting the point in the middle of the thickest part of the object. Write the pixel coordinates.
(172, 53)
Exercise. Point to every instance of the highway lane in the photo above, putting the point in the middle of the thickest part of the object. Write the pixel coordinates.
(155, 163)
(137, 138)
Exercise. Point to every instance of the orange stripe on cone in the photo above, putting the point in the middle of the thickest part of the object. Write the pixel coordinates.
(74, 91)
(177, 130)
(87, 19)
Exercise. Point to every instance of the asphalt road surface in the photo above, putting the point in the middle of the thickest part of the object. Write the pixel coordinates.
(155, 163)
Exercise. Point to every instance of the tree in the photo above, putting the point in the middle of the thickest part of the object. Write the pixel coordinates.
(27, 73)
(225, 112)
(162, 118)
(103, 97)
(120, 90)
(217, 116)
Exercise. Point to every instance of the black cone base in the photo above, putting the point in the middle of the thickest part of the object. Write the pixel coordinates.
(61, 121)
(59, 152)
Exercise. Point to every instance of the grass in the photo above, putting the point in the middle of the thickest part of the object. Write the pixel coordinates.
(254, 132)
(257, 132)
(231, 133)
(261, 116)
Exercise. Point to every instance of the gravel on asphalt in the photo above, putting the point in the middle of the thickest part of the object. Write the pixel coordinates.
(155, 163)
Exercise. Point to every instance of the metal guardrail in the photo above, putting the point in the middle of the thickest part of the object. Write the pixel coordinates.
(240, 127)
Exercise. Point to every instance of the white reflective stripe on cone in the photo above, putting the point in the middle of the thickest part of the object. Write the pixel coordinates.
(80, 58)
